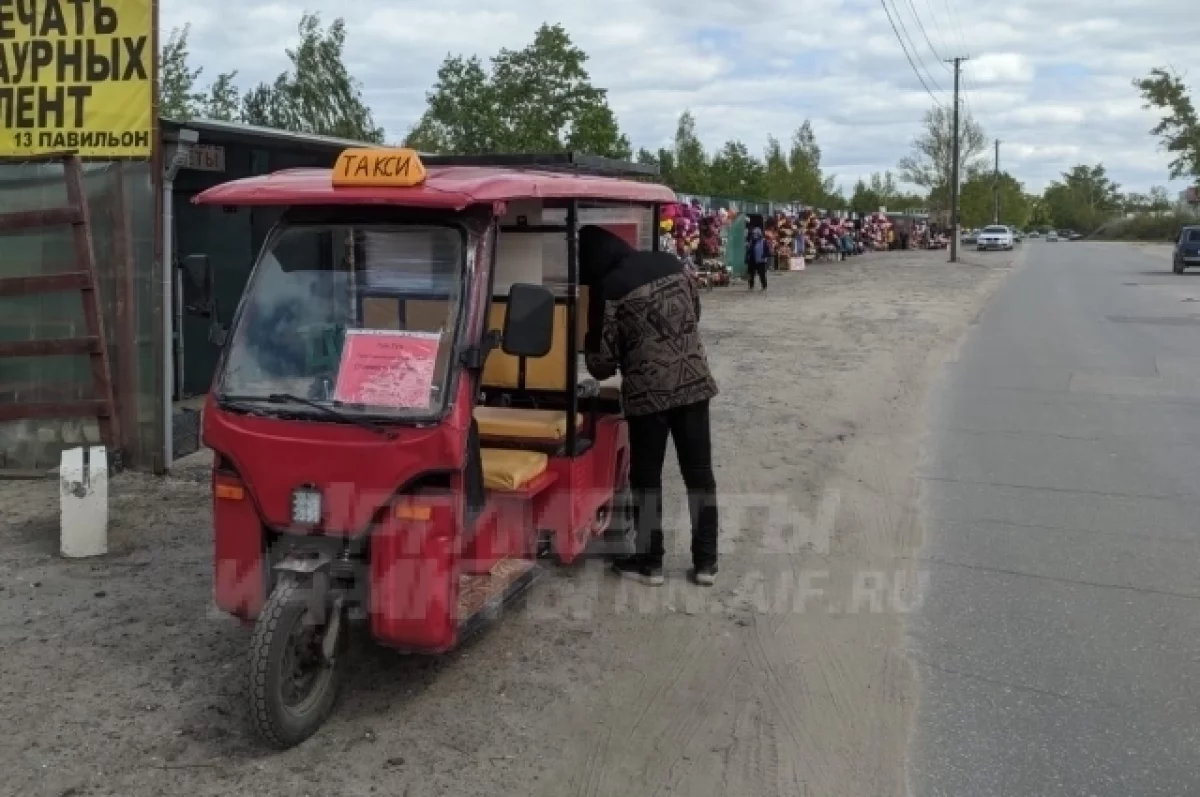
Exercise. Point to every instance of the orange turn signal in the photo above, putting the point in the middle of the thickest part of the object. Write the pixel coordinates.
(413, 512)
(229, 492)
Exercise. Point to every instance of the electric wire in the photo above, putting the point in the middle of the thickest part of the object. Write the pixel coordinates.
(916, 72)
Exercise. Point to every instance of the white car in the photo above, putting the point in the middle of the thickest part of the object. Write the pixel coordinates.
(1052, 235)
(995, 237)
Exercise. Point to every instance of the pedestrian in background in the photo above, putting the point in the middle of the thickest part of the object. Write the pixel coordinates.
(758, 255)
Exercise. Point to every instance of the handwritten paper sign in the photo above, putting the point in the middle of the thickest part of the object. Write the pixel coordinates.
(387, 368)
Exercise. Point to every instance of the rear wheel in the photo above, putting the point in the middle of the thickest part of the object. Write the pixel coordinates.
(292, 684)
(1177, 267)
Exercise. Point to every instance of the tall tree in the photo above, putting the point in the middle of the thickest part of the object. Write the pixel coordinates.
(223, 100)
(930, 165)
(318, 94)
(978, 201)
(177, 95)
(1179, 128)
(178, 98)
(777, 175)
(734, 172)
(538, 99)
(1083, 199)
(808, 183)
(865, 199)
(1039, 212)
(690, 159)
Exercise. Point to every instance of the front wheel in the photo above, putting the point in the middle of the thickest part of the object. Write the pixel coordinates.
(292, 683)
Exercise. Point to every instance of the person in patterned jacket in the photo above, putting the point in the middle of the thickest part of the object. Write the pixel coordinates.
(644, 322)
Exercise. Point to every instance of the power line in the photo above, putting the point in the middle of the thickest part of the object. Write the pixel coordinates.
(938, 29)
(912, 45)
(906, 55)
(913, 7)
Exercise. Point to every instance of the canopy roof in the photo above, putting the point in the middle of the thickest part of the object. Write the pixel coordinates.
(445, 188)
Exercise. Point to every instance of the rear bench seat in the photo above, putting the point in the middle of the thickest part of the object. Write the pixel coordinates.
(548, 373)
(535, 426)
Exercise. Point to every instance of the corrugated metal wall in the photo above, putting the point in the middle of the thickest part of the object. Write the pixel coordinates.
(30, 444)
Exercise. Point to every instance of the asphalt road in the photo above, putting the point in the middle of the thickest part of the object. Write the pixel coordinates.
(1058, 644)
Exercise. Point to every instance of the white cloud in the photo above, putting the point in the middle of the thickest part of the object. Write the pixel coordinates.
(1003, 68)
(1052, 81)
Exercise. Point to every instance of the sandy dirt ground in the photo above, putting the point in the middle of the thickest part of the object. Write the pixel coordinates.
(789, 678)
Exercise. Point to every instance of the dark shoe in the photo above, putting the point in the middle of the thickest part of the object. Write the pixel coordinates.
(705, 576)
(639, 570)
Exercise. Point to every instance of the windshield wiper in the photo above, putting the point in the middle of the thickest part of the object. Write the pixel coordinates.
(288, 398)
(283, 398)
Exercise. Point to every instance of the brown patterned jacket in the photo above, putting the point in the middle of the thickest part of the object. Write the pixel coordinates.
(650, 330)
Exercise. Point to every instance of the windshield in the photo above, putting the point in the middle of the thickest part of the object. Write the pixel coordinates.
(360, 319)
(996, 230)
(1193, 236)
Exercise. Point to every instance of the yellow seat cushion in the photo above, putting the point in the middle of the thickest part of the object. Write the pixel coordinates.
(504, 469)
(522, 424)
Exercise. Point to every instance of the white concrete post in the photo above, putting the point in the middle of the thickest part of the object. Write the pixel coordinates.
(83, 498)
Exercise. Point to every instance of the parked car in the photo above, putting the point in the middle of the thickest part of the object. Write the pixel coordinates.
(1052, 236)
(1018, 236)
(1075, 236)
(1034, 234)
(970, 236)
(1187, 249)
(996, 236)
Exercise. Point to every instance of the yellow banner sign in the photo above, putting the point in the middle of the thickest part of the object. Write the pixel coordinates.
(76, 75)
(378, 168)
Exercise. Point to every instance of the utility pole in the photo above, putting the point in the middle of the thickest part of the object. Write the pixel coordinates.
(954, 166)
(996, 184)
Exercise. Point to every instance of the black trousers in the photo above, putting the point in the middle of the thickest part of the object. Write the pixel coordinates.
(689, 427)
(761, 270)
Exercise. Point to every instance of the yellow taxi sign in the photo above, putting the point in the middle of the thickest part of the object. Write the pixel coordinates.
(378, 168)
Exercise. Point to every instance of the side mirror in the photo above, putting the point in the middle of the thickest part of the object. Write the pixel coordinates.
(529, 322)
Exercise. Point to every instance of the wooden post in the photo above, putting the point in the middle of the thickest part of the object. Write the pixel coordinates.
(127, 391)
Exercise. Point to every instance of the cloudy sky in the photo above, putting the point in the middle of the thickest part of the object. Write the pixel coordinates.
(1051, 80)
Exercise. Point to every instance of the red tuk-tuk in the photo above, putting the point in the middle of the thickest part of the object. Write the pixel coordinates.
(399, 424)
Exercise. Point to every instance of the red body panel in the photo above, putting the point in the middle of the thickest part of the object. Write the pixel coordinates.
(445, 188)
(414, 582)
(357, 471)
(585, 484)
(239, 574)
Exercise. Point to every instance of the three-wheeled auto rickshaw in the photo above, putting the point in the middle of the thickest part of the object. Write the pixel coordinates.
(399, 423)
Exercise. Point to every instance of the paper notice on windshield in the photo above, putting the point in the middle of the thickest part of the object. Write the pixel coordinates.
(387, 368)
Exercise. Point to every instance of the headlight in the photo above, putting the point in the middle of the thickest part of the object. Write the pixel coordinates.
(306, 506)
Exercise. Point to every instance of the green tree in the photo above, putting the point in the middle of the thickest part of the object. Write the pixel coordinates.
(177, 95)
(777, 175)
(538, 99)
(977, 201)
(691, 166)
(735, 172)
(1039, 212)
(1084, 199)
(1179, 128)
(318, 94)
(223, 100)
(808, 183)
(930, 165)
(865, 199)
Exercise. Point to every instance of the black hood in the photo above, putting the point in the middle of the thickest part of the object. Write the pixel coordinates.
(600, 253)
